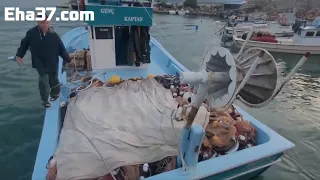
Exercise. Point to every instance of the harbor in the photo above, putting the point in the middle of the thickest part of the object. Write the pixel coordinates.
(296, 104)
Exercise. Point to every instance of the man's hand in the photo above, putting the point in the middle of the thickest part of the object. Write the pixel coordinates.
(19, 60)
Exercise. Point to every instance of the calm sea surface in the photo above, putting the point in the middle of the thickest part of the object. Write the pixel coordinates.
(294, 113)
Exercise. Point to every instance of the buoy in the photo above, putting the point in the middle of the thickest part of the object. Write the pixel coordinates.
(242, 138)
(11, 58)
(52, 163)
(63, 104)
(187, 96)
(238, 119)
(114, 173)
(150, 76)
(145, 167)
(114, 79)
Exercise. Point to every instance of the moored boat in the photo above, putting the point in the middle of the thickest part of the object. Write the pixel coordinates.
(305, 38)
(240, 29)
(120, 116)
(240, 25)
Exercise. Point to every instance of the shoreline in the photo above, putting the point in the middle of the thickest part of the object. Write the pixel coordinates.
(209, 14)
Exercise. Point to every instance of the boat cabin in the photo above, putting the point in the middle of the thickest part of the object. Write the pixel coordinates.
(308, 34)
(119, 34)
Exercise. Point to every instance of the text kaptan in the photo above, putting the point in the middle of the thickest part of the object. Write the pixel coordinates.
(133, 19)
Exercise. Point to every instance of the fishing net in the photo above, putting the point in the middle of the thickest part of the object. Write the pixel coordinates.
(118, 128)
(110, 127)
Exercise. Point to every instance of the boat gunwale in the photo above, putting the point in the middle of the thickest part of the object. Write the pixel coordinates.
(51, 128)
(240, 40)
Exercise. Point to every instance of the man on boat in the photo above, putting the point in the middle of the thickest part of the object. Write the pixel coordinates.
(45, 46)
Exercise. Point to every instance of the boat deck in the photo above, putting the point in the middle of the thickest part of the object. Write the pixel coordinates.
(269, 142)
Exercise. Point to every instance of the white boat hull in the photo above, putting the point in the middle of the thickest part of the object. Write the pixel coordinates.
(279, 47)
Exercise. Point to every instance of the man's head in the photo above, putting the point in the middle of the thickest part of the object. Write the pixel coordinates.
(44, 25)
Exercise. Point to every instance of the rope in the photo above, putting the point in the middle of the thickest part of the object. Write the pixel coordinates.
(165, 36)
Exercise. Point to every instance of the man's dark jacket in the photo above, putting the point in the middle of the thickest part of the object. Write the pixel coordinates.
(45, 50)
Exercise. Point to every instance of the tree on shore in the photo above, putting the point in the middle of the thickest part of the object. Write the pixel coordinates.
(190, 3)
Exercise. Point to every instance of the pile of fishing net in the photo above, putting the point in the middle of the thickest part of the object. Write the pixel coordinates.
(262, 32)
(262, 35)
(226, 132)
(118, 128)
(126, 129)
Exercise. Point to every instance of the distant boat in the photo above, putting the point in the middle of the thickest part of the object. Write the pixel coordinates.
(305, 39)
(240, 26)
(172, 12)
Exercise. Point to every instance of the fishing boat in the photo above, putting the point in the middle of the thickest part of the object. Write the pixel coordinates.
(241, 28)
(84, 137)
(238, 24)
(305, 38)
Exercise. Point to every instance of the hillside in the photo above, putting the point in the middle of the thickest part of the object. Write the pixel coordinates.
(283, 4)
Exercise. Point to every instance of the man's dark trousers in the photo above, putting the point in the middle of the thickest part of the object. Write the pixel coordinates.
(49, 85)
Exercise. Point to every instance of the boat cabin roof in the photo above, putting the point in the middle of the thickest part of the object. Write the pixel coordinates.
(307, 32)
(310, 30)
(120, 12)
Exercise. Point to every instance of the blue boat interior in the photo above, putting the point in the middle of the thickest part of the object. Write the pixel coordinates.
(243, 164)
(270, 144)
